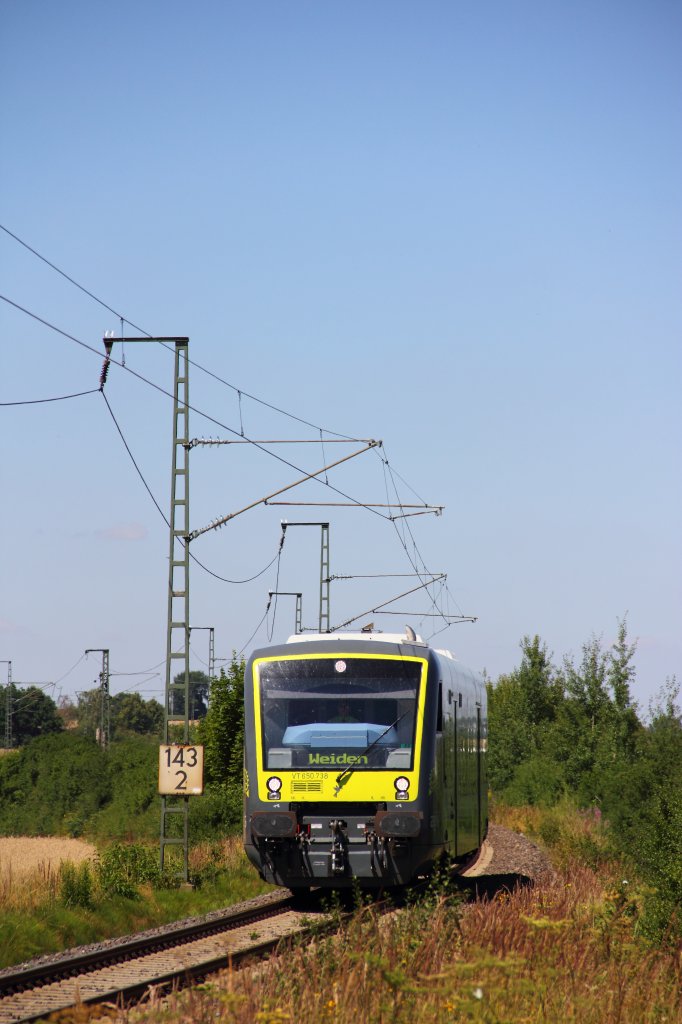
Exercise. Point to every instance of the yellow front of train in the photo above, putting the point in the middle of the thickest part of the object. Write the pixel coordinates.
(336, 727)
(337, 760)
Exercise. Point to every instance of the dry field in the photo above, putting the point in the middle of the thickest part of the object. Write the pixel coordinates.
(29, 867)
(22, 855)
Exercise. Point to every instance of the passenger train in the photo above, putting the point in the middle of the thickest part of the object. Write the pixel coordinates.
(365, 760)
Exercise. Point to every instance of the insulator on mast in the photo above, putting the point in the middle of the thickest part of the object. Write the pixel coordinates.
(108, 345)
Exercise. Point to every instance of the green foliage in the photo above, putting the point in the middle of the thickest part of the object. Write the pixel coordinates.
(66, 784)
(33, 713)
(568, 730)
(199, 686)
(537, 781)
(218, 812)
(130, 713)
(575, 836)
(122, 867)
(521, 707)
(222, 730)
(89, 712)
(132, 809)
(598, 725)
(76, 885)
(646, 816)
(52, 780)
(575, 732)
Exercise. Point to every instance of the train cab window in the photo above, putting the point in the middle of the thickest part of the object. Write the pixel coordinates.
(439, 718)
(318, 712)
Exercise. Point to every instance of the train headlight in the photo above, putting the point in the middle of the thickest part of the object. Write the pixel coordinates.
(402, 784)
(274, 785)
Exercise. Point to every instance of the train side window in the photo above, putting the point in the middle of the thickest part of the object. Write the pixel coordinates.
(439, 719)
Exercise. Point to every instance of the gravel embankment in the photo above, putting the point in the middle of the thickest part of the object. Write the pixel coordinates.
(509, 853)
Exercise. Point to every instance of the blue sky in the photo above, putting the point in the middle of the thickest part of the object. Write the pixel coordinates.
(454, 227)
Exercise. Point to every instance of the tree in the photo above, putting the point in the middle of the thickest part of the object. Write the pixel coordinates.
(645, 812)
(131, 713)
(55, 782)
(67, 711)
(597, 729)
(222, 730)
(620, 674)
(570, 730)
(199, 685)
(33, 713)
(90, 712)
(521, 707)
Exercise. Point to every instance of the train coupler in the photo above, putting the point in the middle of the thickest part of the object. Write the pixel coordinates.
(338, 852)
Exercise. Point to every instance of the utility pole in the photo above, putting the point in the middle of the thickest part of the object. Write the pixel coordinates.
(325, 579)
(104, 731)
(299, 605)
(174, 808)
(211, 648)
(8, 705)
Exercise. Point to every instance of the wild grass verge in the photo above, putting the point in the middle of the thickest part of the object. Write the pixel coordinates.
(566, 949)
(50, 909)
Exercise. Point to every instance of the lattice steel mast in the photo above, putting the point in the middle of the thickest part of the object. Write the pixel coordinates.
(176, 703)
(105, 703)
(178, 630)
(8, 705)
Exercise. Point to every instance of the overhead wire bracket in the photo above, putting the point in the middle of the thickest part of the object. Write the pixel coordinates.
(434, 579)
(217, 523)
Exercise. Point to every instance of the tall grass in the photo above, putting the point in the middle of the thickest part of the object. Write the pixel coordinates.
(47, 910)
(571, 835)
(24, 891)
(566, 949)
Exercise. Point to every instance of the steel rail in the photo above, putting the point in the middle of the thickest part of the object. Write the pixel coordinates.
(34, 990)
(171, 957)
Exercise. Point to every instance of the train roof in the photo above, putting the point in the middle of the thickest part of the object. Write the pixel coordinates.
(371, 643)
(364, 635)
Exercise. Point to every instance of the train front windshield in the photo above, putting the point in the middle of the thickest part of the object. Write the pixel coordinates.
(318, 713)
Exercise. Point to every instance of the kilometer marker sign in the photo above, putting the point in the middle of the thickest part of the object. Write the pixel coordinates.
(181, 770)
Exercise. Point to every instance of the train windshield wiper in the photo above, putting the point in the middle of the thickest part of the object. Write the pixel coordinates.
(351, 767)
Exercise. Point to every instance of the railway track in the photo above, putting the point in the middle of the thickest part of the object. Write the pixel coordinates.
(128, 968)
(125, 969)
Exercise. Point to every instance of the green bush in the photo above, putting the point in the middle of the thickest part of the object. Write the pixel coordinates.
(76, 885)
(219, 812)
(132, 811)
(538, 782)
(54, 777)
(122, 867)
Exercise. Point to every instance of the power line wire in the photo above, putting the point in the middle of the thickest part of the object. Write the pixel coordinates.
(192, 408)
(223, 579)
(82, 658)
(242, 649)
(70, 279)
(124, 319)
(406, 529)
(60, 398)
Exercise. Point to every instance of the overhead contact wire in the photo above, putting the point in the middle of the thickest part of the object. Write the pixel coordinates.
(60, 398)
(223, 579)
(199, 412)
(198, 366)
